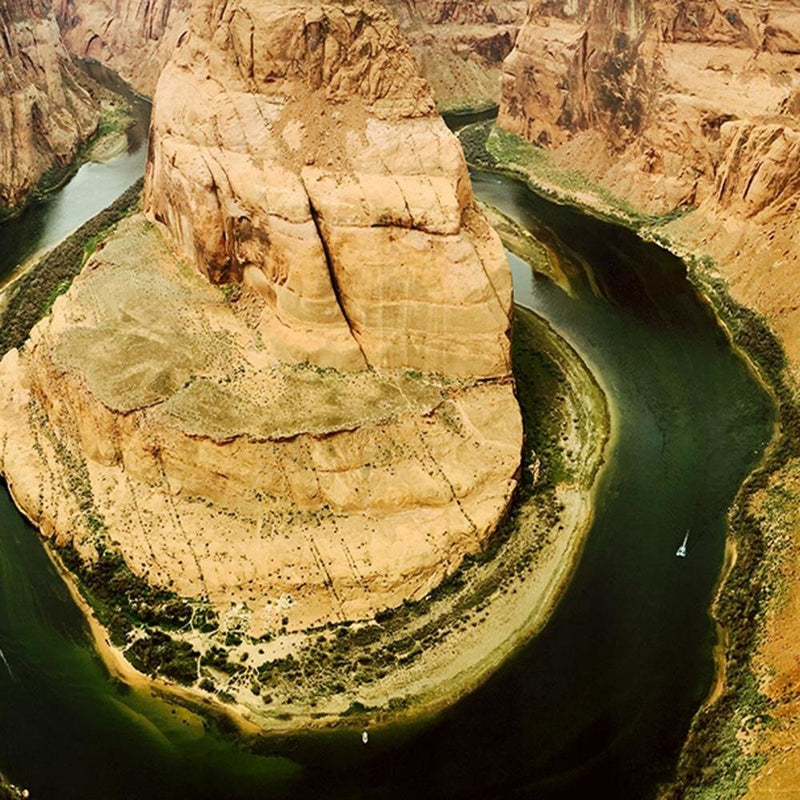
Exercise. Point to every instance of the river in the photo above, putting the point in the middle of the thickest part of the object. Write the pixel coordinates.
(94, 186)
(597, 705)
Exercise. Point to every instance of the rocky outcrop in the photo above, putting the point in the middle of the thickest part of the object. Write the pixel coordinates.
(46, 111)
(290, 390)
(636, 93)
(460, 47)
(674, 105)
(134, 39)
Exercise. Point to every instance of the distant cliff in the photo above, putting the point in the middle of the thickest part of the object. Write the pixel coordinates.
(45, 110)
(133, 38)
(460, 47)
(668, 105)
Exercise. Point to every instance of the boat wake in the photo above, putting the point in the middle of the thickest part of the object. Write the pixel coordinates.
(8, 666)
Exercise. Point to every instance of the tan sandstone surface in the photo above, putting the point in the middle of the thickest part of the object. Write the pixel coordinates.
(460, 47)
(46, 112)
(691, 106)
(134, 39)
(332, 430)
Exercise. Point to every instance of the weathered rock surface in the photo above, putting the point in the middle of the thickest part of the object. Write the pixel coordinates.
(695, 104)
(677, 104)
(460, 47)
(134, 39)
(637, 93)
(45, 110)
(334, 428)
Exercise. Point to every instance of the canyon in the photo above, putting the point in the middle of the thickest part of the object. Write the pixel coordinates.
(682, 118)
(289, 399)
(47, 108)
(459, 47)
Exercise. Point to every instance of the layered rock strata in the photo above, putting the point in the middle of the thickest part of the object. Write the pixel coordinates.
(677, 105)
(45, 110)
(460, 47)
(134, 39)
(292, 392)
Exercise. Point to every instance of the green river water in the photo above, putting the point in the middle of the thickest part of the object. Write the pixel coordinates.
(597, 705)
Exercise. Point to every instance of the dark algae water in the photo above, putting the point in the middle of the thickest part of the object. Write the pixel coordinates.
(596, 706)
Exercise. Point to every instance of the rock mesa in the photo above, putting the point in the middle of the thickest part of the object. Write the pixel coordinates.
(288, 389)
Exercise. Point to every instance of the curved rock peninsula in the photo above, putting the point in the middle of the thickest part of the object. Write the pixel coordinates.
(286, 392)
(45, 111)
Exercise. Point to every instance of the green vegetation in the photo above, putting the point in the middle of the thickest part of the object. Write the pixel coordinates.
(714, 762)
(32, 296)
(495, 149)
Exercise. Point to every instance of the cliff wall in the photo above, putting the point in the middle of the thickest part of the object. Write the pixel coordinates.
(46, 111)
(289, 388)
(676, 105)
(460, 47)
(134, 39)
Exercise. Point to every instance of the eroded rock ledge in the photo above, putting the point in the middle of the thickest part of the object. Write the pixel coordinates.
(330, 430)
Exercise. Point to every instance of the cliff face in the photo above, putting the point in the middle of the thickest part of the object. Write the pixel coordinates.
(677, 104)
(135, 39)
(45, 111)
(460, 47)
(638, 93)
(334, 428)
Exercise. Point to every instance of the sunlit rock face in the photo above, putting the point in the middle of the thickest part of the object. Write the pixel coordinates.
(45, 111)
(647, 95)
(131, 37)
(690, 105)
(288, 387)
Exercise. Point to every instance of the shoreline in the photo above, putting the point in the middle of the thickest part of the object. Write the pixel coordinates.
(502, 613)
(711, 720)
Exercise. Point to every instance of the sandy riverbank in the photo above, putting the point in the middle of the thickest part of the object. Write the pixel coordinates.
(422, 657)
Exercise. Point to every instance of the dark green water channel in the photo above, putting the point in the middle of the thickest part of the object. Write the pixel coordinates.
(596, 706)
(45, 223)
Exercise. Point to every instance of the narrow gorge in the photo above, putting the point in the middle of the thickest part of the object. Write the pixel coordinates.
(364, 445)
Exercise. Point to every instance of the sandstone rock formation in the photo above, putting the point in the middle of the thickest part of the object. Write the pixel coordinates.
(45, 110)
(695, 104)
(333, 428)
(132, 38)
(674, 105)
(460, 47)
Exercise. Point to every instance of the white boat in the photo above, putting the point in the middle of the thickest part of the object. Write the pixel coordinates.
(364, 737)
(681, 552)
